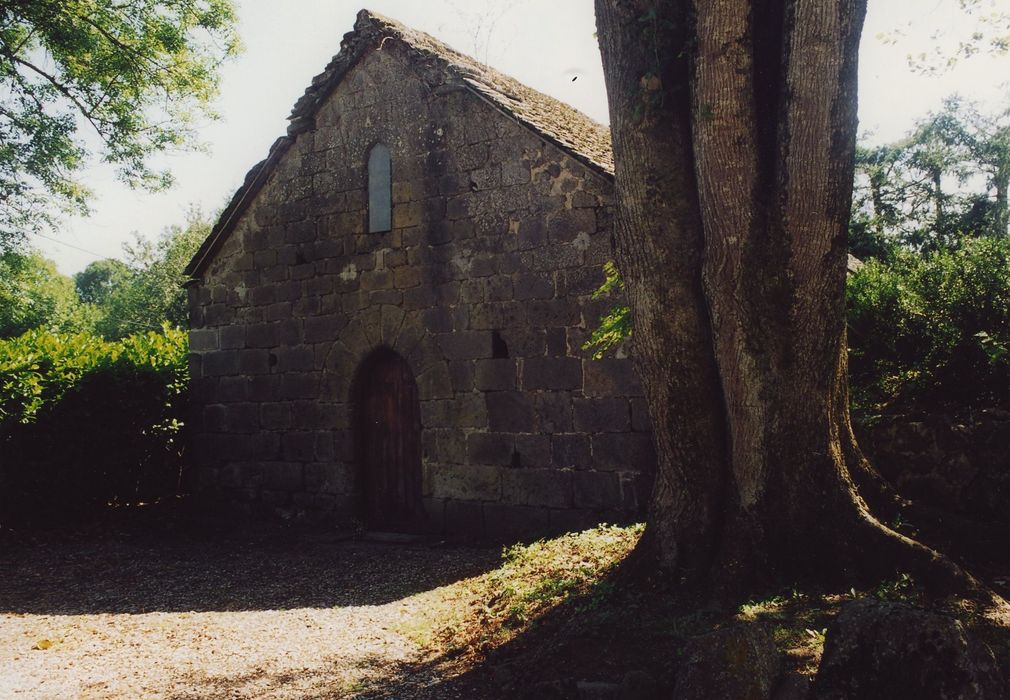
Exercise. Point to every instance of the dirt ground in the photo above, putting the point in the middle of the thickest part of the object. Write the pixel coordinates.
(163, 612)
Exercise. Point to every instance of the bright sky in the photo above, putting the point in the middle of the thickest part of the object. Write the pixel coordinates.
(543, 43)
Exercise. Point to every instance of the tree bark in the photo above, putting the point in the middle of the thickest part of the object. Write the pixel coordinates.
(734, 127)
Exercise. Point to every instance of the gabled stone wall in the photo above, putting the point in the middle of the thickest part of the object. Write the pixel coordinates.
(483, 285)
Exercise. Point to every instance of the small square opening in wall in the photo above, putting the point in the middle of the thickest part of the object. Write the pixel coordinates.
(380, 189)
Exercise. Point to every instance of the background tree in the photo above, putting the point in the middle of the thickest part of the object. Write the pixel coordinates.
(131, 77)
(100, 279)
(151, 292)
(33, 294)
(734, 128)
(946, 181)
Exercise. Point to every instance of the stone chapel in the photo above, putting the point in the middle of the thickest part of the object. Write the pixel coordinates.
(387, 321)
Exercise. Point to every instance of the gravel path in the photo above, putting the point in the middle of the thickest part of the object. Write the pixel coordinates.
(170, 615)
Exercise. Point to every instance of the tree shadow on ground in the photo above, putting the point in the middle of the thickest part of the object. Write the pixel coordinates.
(183, 565)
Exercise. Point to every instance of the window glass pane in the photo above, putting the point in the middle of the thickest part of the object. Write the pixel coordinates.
(380, 190)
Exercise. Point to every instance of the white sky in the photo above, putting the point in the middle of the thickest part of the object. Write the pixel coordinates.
(543, 43)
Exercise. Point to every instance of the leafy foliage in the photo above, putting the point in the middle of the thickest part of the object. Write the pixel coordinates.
(946, 181)
(33, 294)
(151, 291)
(85, 422)
(932, 330)
(615, 325)
(98, 280)
(132, 76)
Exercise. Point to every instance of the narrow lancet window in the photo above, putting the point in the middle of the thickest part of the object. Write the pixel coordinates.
(380, 189)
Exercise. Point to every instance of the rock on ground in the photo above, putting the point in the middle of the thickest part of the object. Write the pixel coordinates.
(881, 651)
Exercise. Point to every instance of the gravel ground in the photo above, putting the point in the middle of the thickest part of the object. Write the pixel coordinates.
(116, 614)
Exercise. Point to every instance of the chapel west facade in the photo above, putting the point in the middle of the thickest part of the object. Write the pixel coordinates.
(387, 322)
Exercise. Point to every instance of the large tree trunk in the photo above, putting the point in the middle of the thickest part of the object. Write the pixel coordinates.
(734, 125)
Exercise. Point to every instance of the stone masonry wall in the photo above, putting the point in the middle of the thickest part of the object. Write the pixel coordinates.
(484, 286)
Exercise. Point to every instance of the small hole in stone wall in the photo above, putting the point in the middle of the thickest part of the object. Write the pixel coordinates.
(499, 349)
(517, 460)
(272, 360)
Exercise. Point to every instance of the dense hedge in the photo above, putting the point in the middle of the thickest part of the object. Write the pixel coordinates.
(85, 422)
(932, 332)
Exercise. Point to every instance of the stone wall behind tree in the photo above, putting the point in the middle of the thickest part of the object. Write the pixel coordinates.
(958, 463)
(484, 285)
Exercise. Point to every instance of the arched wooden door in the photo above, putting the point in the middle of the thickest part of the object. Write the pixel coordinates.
(387, 438)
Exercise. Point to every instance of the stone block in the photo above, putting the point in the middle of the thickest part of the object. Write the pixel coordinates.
(406, 277)
(469, 482)
(407, 214)
(262, 335)
(461, 374)
(557, 341)
(555, 256)
(319, 329)
(500, 314)
(298, 446)
(299, 358)
(554, 408)
(275, 416)
(641, 421)
(512, 523)
(624, 452)
(583, 281)
(242, 417)
(446, 446)
(537, 487)
(566, 225)
(527, 286)
(231, 336)
(532, 233)
(373, 280)
(496, 375)
(329, 477)
(233, 389)
(611, 377)
(469, 411)
(437, 319)
(499, 288)
(532, 451)
(552, 373)
(201, 339)
(610, 415)
(220, 363)
(571, 450)
(523, 342)
(552, 313)
(465, 345)
(577, 520)
(434, 382)
(596, 490)
(490, 448)
(464, 518)
(299, 385)
(283, 476)
(510, 411)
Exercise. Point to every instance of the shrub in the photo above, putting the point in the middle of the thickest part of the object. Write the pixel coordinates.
(85, 422)
(932, 332)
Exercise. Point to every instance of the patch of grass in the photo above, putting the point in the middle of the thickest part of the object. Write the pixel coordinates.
(486, 611)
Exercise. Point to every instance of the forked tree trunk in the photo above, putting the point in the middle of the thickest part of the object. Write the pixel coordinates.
(734, 125)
